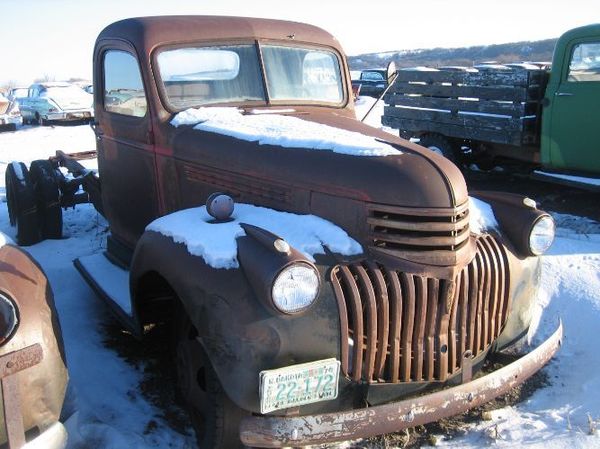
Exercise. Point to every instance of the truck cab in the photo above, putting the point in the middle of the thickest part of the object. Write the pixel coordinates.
(570, 139)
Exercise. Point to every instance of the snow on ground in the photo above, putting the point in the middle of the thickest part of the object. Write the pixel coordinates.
(575, 179)
(112, 412)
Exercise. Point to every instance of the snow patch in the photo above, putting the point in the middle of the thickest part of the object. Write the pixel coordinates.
(481, 216)
(5, 240)
(576, 179)
(216, 242)
(282, 130)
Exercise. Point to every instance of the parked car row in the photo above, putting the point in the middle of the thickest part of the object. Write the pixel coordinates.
(42, 103)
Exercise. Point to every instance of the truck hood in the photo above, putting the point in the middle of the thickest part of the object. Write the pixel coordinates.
(408, 176)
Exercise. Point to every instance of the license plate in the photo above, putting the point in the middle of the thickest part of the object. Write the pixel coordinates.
(299, 384)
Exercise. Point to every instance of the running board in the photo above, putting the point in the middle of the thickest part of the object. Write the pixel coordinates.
(111, 283)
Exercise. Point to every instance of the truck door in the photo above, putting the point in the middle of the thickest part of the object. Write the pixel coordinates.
(124, 142)
(575, 130)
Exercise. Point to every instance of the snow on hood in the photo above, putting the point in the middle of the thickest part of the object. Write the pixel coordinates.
(481, 216)
(282, 130)
(216, 242)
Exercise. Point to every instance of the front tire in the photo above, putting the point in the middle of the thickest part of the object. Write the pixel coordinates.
(47, 196)
(215, 418)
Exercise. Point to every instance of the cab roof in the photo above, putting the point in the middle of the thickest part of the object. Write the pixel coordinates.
(145, 33)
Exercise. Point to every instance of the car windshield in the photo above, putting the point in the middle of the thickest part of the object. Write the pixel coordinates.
(196, 76)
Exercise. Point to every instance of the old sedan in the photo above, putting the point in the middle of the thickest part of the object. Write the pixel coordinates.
(47, 102)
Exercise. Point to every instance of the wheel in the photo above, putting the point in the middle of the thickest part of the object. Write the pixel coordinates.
(39, 119)
(215, 418)
(22, 207)
(47, 195)
(440, 145)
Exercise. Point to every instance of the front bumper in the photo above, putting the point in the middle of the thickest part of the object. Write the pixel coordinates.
(277, 431)
(11, 120)
(76, 114)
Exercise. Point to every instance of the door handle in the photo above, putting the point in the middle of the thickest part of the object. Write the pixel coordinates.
(563, 94)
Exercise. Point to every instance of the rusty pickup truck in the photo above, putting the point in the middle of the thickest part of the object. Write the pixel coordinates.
(340, 282)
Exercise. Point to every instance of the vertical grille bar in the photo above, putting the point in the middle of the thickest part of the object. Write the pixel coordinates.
(408, 287)
(432, 308)
(383, 318)
(472, 303)
(343, 310)
(503, 291)
(419, 331)
(370, 318)
(455, 335)
(447, 293)
(486, 293)
(396, 323)
(479, 314)
(494, 273)
(464, 310)
(357, 322)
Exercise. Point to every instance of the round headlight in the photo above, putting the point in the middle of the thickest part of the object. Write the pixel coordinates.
(8, 318)
(295, 288)
(542, 235)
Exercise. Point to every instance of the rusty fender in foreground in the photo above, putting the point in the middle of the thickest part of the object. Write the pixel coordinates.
(278, 431)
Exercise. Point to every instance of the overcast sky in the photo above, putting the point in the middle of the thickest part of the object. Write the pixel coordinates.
(56, 37)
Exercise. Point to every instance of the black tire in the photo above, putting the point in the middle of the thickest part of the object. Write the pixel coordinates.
(440, 145)
(47, 195)
(39, 119)
(215, 418)
(22, 206)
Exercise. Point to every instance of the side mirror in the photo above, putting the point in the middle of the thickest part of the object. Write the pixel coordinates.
(391, 71)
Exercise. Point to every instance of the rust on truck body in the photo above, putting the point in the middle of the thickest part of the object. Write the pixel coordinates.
(419, 308)
(320, 429)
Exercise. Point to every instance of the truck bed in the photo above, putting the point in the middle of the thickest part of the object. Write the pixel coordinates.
(492, 106)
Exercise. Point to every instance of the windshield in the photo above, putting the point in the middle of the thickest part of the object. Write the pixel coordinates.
(197, 76)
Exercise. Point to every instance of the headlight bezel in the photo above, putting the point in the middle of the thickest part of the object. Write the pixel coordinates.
(298, 264)
(542, 220)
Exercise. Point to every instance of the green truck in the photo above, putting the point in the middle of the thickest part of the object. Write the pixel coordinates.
(537, 118)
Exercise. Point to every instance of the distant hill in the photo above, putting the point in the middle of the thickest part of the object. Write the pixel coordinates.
(466, 56)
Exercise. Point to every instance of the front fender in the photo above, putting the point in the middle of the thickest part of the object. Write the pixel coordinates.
(240, 335)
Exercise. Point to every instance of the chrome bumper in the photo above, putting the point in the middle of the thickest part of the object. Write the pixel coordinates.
(11, 120)
(76, 114)
(276, 431)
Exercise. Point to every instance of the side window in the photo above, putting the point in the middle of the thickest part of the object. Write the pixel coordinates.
(123, 87)
(585, 62)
